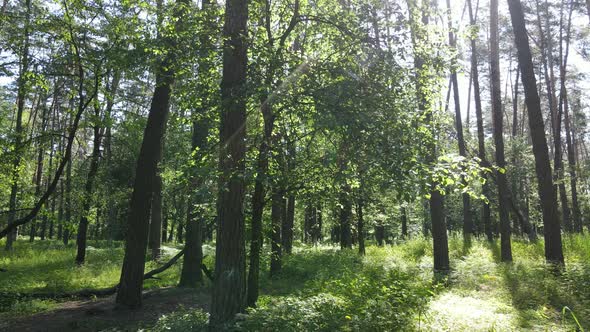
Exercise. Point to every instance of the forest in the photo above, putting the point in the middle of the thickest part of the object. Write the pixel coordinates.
(294, 165)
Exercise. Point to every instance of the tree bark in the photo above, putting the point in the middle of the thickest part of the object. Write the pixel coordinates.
(420, 20)
(497, 116)
(229, 289)
(552, 232)
(155, 232)
(19, 131)
(275, 237)
(485, 213)
(258, 202)
(88, 189)
(467, 220)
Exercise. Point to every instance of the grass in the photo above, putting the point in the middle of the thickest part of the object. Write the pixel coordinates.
(323, 288)
(48, 267)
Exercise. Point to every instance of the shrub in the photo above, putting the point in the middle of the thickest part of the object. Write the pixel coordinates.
(183, 320)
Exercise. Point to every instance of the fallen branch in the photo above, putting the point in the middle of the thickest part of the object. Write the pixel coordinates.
(86, 293)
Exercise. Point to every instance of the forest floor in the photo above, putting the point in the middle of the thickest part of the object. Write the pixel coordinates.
(391, 288)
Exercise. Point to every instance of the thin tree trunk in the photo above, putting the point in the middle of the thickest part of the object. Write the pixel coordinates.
(258, 202)
(88, 189)
(19, 130)
(467, 220)
(275, 237)
(497, 115)
(552, 232)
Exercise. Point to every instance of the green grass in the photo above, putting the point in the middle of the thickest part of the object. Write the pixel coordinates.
(324, 288)
(48, 267)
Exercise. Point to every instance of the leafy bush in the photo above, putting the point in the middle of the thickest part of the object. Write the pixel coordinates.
(322, 312)
(183, 320)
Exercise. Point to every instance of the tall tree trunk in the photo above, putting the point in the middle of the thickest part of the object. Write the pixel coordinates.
(287, 227)
(39, 171)
(88, 189)
(68, 199)
(467, 220)
(552, 232)
(19, 131)
(419, 21)
(191, 275)
(575, 223)
(497, 115)
(258, 202)
(229, 289)
(485, 213)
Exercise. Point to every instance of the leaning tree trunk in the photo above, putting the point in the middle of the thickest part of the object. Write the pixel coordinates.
(552, 231)
(229, 288)
(497, 116)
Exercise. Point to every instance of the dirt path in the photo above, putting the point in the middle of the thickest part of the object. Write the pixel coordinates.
(100, 314)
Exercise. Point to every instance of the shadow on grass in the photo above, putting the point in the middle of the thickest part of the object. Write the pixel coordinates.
(538, 291)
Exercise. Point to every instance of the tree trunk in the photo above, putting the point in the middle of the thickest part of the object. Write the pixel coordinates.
(467, 220)
(68, 207)
(420, 20)
(155, 232)
(345, 217)
(275, 237)
(361, 227)
(229, 289)
(404, 222)
(19, 131)
(191, 275)
(575, 224)
(552, 232)
(258, 202)
(497, 116)
(486, 220)
(287, 228)
(88, 190)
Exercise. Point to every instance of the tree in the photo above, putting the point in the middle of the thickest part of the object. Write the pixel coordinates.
(481, 151)
(229, 287)
(131, 283)
(88, 188)
(552, 231)
(18, 126)
(467, 220)
(419, 18)
(497, 115)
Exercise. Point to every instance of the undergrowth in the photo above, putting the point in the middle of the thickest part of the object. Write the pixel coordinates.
(322, 288)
